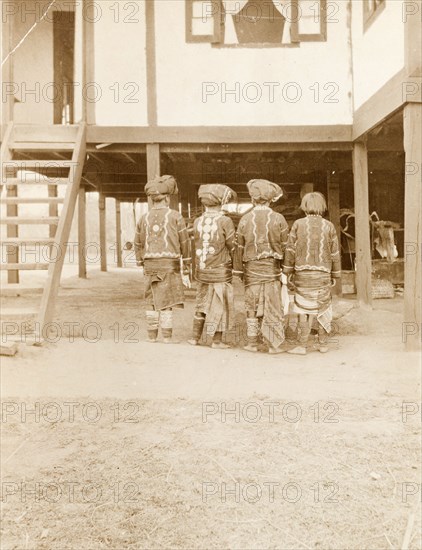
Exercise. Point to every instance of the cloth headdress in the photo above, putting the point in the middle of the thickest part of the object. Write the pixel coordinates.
(161, 185)
(213, 194)
(264, 190)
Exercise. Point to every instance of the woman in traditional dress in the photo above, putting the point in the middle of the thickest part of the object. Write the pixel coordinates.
(214, 236)
(312, 265)
(161, 245)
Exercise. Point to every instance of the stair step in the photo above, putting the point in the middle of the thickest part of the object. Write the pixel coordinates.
(31, 200)
(47, 133)
(16, 220)
(18, 313)
(37, 179)
(36, 146)
(12, 289)
(20, 241)
(24, 267)
(36, 163)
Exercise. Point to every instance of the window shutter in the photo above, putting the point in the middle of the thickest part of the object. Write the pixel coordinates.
(203, 21)
(310, 21)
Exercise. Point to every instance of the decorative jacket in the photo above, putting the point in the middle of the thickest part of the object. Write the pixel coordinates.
(262, 233)
(214, 236)
(312, 245)
(161, 233)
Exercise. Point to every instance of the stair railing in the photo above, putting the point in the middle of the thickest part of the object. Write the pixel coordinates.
(51, 288)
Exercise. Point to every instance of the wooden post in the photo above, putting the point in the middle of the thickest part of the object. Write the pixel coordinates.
(12, 251)
(53, 209)
(82, 232)
(333, 200)
(118, 235)
(413, 223)
(154, 170)
(153, 163)
(174, 202)
(306, 188)
(63, 229)
(186, 200)
(103, 235)
(12, 232)
(151, 64)
(79, 61)
(7, 43)
(363, 242)
(88, 57)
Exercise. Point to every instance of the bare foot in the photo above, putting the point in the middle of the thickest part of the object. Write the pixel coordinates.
(253, 349)
(275, 351)
(298, 350)
(323, 349)
(219, 345)
(193, 342)
(152, 340)
(170, 341)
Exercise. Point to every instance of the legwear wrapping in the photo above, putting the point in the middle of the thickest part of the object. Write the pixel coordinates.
(322, 336)
(218, 337)
(166, 323)
(152, 318)
(252, 331)
(198, 326)
(304, 331)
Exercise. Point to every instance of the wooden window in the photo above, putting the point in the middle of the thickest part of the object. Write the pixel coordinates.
(256, 23)
(311, 21)
(203, 21)
(371, 10)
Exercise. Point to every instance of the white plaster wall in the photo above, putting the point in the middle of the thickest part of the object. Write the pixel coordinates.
(378, 53)
(183, 68)
(120, 63)
(33, 65)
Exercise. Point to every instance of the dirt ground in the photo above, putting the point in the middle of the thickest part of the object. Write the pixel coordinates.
(132, 445)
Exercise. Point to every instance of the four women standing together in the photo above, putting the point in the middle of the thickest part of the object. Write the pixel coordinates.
(262, 253)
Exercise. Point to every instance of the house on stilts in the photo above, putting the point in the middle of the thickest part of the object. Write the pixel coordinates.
(101, 95)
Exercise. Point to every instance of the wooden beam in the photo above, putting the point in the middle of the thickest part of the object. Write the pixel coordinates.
(151, 70)
(363, 243)
(385, 102)
(220, 134)
(118, 235)
(139, 148)
(170, 148)
(103, 231)
(82, 232)
(125, 198)
(222, 148)
(333, 203)
(413, 225)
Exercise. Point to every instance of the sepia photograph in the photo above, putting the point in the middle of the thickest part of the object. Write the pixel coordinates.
(210, 276)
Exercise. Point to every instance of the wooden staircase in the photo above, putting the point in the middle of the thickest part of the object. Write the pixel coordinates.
(37, 161)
